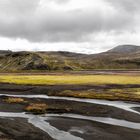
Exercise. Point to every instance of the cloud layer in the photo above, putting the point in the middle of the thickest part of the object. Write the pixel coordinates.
(70, 21)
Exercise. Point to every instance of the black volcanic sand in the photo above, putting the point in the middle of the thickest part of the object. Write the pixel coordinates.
(88, 72)
(94, 130)
(4, 136)
(5, 87)
(20, 129)
(56, 90)
(137, 108)
(63, 106)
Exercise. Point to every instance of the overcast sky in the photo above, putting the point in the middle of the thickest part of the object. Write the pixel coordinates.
(86, 26)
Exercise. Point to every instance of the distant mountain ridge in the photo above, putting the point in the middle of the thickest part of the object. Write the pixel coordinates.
(125, 49)
(3, 52)
(120, 57)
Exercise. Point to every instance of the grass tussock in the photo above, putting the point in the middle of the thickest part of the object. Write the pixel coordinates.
(14, 100)
(129, 94)
(69, 79)
(37, 108)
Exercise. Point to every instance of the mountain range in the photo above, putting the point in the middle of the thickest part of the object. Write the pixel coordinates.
(120, 57)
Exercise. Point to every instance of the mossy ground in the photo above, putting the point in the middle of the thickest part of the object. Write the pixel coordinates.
(126, 94)
(69, 79)
(14, 100)
(37, 108)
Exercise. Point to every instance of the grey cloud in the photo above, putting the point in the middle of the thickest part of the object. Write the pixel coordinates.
(16, 7)
(61, 1)
(23, 19)
(129, 5)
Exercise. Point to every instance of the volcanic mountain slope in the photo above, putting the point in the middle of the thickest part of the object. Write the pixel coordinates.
(121, 57)
(4, 52)
(125, 49)
(14, 61)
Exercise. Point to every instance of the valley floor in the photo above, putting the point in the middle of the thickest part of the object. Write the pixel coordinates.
(103, 110)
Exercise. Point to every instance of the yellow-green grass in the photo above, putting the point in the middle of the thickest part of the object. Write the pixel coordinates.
(14, 100)
(37, 108)
(69, 79)
(129, 94)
